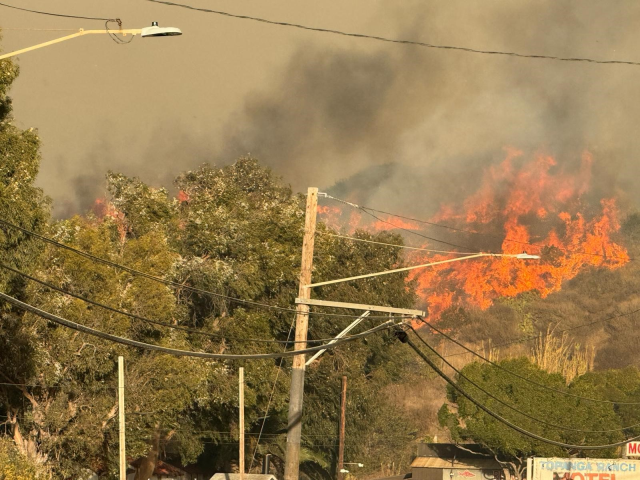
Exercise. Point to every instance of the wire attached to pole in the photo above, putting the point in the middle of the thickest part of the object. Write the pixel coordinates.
(404, 338)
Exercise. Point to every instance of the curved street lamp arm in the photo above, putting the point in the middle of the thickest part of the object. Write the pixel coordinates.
(81, 32)
(521, 256)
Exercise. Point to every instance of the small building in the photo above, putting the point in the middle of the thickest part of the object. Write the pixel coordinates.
(247, 476)
(163, 471)
(448, 461)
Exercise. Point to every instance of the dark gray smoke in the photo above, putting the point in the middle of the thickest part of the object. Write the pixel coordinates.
(440, 116)
(341, 108)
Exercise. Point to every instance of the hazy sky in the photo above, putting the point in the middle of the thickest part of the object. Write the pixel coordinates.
(321, 108)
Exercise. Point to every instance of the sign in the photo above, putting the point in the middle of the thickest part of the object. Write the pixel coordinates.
(585, 469)
(633, 449)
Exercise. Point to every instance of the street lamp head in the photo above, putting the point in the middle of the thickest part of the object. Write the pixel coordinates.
(155, 31)
(526, 256)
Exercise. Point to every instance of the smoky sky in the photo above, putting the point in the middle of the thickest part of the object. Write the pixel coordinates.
(407, 127)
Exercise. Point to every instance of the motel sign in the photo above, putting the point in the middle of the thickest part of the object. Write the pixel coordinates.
(633, 449)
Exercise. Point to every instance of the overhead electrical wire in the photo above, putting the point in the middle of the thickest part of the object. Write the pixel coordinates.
(393, 40)
(448, 227)
(413, 232)
(398, 227)
(273, 391)
(40, 29)
(170, 283)
(52, 14)
(509, 406)
(107, 21)
(517, 375)
(183, 353)
(491, 413)
(407, 247)
(536, 337)
(156, 322)
(18, 385)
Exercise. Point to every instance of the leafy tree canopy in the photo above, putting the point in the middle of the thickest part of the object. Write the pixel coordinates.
(467, 422)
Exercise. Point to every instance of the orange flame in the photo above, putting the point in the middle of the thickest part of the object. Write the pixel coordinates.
(518, 198)
(102, 209)
(183, 196)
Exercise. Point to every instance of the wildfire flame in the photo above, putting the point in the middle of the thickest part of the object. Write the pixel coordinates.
(525, 206)
(103, 208)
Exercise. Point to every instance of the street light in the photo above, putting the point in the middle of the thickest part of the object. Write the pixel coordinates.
(153, 31)
(520, 256)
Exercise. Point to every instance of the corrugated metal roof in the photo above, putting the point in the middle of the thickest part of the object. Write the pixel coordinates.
(477, 463)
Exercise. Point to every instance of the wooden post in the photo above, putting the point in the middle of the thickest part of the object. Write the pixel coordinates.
(123, 453)
(343, 408)
(241, 397)
(294, 424)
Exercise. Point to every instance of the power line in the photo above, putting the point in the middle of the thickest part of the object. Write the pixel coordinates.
(536, 337)
(17, 385)
(404, 338)
(155, 322)
(170, 283)
(511, 407)
(59, 14)
(355, 239)
(41, 29)
(448, 227)
(184, 353)
(399, 227)
(522, 377)
(393, 40)
(273, 390)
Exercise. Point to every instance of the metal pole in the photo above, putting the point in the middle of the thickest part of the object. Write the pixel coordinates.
(241, 396)
(294, 425)
(520, 256)
(343, 408)
(79, 33)
(123, 455)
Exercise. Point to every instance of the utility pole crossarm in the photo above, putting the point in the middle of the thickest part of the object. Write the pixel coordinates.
(360, 306)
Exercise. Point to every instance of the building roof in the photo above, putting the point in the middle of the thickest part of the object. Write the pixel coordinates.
(467, 463)
(404, 476)
(247, 476)
(452, 450)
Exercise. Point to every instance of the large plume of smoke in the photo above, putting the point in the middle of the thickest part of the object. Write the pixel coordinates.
(405, 128)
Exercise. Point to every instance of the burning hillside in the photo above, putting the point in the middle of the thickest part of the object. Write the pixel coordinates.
(533, 206)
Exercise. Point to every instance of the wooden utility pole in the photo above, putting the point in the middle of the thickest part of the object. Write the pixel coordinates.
(123, 454)
(343, 416)
(241, 397)
(294, 426)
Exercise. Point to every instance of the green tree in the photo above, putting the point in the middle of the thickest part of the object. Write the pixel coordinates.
(467, 422)
(22, 204)
(234, 230)
(14, 465)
